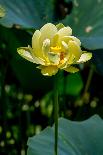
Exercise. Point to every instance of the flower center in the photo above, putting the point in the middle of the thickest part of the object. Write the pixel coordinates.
(61, 55)
(59, 50)
(56, 49)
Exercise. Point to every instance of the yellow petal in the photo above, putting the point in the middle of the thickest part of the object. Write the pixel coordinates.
(49, 70)
(74, 49)
(66, 31)
(85, 57)
(46, 48)
(76, 40)
(54, 41)
(36, 45)
(47, 32)
(69, 38)
(64, 45)
(71, 59)
(71, 69)
(35, 38)
(26, 53)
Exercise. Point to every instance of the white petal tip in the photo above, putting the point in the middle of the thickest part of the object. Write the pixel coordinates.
(85, 57)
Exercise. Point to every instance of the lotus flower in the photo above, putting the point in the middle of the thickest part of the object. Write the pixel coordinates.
(54, 48)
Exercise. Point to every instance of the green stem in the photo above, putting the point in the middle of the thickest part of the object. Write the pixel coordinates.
(90, 75)
(56, 109)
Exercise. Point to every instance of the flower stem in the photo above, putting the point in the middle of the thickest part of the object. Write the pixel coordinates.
(56, 109)
(90, 75)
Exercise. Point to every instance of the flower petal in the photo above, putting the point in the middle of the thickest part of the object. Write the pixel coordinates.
(36, 45)
(65, 31)
(46, 49)
(54, 41)
(74, 49)
(71, 69)
(69, 38)
(85, 57)
(76, 40)
(49, 70)
(35, 38)
(64, 45)
(71, 59)
(26, 53)
(47, 32)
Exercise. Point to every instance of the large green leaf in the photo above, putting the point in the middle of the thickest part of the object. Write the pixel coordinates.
(87, 23)
(27, 13)
(75, 138)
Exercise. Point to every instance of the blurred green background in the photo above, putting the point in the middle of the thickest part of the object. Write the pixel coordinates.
(26, 97)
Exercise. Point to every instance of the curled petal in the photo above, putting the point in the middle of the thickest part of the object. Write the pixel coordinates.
(71, 69)
(65, 31)
(75, 39)
(47, 32)
(69, 38)
(49, 70)
(25, 52)
(85, 57)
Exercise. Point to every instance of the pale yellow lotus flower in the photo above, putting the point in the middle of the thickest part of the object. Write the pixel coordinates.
(54, 48)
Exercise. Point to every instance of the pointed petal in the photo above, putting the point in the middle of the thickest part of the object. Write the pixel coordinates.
(35, 38)
(26, 53)
(71, 69)
(74, 49)
(66, 31)
(49, 70)
(47, 32)
(85, 57)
